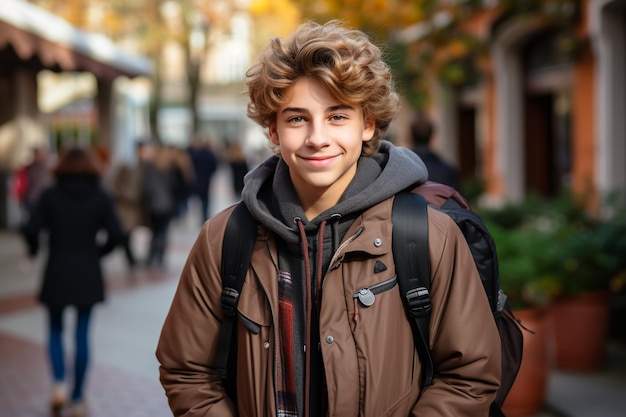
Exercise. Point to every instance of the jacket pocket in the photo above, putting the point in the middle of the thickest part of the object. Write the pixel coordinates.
(366, 296)
(253, 308)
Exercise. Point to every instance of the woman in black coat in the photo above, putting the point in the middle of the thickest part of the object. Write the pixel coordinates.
(74, 212)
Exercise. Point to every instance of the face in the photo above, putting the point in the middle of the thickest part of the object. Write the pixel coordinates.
(320, 139)
(147, 152)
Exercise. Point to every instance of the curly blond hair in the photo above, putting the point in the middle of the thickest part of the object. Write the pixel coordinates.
(344, 60)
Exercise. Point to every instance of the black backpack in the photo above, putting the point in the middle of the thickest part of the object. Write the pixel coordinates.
(410, 242)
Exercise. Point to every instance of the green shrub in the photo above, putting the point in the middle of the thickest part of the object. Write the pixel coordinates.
(555, 248)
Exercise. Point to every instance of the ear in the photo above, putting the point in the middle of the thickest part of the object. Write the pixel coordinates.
(273, 134)
(369, 129)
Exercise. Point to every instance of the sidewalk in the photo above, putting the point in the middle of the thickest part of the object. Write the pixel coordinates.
(123, 375)
(123, 378)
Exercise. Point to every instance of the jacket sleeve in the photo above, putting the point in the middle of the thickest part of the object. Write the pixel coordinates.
(188, 345)
(464, 339)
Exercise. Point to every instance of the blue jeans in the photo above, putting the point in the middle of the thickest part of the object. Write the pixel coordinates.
(55, 347)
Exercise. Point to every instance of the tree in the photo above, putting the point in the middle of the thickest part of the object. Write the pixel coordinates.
(150, 26)
(272, 18)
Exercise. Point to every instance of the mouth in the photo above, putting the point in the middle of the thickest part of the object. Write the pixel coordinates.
(319, 161)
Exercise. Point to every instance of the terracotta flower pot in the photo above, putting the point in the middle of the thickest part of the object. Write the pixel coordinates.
(581, 327)
(528, 394)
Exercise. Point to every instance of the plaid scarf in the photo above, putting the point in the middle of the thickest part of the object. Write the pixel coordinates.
(286, 387)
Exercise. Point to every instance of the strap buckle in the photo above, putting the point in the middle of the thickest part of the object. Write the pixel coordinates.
(418, 301)
(229, 298)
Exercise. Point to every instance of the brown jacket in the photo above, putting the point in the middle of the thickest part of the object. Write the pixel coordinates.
(372, 368)
(125, 187)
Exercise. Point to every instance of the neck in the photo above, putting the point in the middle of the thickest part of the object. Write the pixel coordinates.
(314, 205)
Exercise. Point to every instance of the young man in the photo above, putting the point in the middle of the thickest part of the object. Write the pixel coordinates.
(306, 344)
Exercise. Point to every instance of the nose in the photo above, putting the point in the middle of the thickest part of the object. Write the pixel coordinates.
(317, 136)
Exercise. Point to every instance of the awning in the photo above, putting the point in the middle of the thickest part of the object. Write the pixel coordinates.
(33, 37)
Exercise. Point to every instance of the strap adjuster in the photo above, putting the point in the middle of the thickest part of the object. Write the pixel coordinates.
(229, 298)
(418, 301)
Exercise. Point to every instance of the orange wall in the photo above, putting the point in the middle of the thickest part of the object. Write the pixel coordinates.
(494, 183)
(583, 113)
(583, 134)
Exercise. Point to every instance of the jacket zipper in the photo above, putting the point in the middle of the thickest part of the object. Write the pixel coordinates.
(342, 246)
(367, 295)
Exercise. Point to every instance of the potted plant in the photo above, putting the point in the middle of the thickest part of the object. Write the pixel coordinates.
(590, 269)
(525, 253)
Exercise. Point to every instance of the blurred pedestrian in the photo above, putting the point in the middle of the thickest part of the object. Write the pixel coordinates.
(74, 212)
(238, 165)
(157, 198)
(38, 177)
(19, 185)
(438, 169)
(124, 185)
(183, 176)
(204, 163)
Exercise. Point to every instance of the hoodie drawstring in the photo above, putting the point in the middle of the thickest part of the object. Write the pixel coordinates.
(307, 354)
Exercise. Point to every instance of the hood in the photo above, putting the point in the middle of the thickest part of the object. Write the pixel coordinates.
(77, 186)
(269, 194)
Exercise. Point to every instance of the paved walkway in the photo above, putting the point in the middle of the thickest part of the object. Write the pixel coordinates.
(123, 378)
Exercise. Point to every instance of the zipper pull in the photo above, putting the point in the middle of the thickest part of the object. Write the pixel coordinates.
(365, 296)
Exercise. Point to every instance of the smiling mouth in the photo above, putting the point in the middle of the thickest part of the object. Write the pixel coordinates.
(319, 162)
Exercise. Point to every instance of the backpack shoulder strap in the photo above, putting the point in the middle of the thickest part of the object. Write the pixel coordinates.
(239, 239)
(410, 252)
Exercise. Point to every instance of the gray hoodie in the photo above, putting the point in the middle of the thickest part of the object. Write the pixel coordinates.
(269, 194)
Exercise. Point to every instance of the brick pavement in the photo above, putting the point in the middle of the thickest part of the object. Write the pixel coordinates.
(25, 386)
(122, 382)
(25, 377)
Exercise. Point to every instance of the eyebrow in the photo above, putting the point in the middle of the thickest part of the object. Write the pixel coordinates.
(329, 109)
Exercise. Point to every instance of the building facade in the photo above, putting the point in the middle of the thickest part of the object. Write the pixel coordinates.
(547, 111)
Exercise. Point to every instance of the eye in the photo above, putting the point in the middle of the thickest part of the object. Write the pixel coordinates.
(295, 119)
(338, 118)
